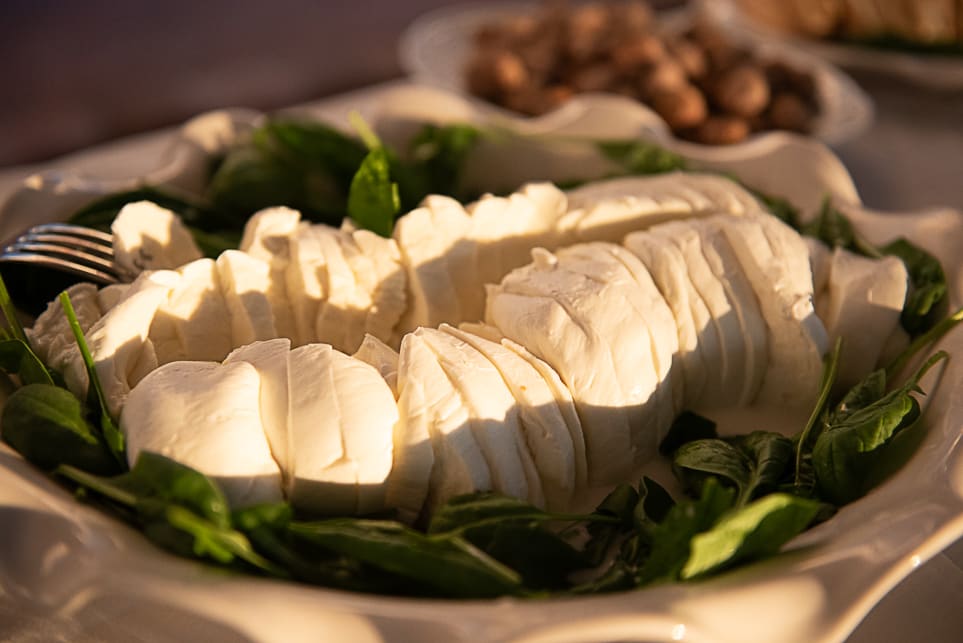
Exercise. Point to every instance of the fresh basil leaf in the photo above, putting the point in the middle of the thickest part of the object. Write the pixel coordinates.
(434, 162)
(47, 425)
(641, 157)
(108, 428)
(471, 510)
(16, 358)
(778, 206)
(813, 428)
(715, 458)
(654, 504)
(541, 557)
(671, 539)
(831, 227)
(311, 145)
(687, 427)
(770, 456)
(756, 530)
(619, 504)
(448, 565)
(851, 442)
(373, 198)
(928, 298)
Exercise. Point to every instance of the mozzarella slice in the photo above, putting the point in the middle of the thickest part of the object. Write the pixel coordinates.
(245, 282)
(304, 278)
(51, 337)
(378, 269)
(645, 347)
(341, 314)
(436, 453)
(270, 359)
(609, 210)
(862, 305)
(575, 323)
(723, 262)
(192, 323)
(540, 419)
(492, 414)
(382, 357)
(725, 381)
(149, 237)
(669, 273)
(433, 241)
(795, 335)
(267, 235)
(218, 433)
(119, 342)
(341, 417)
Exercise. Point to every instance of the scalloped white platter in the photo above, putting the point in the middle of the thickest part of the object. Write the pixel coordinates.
(70, 572)
(436, 48)
(933, 71)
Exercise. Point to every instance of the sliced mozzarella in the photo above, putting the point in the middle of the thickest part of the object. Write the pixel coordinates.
(192, 323)
(504, 230)
(433, 241)
(119, 343)
(245, 282)
(645, 346)
(378, 269)
(546, 434)
(108, 296)
(575, 323)
(796, 339)
(436, 453)
(341, 416)
(722, 259)
(668, 270)
(268, 236)
(609, 210)
(342, 313)
(51, 337)
(205, 415)
(862, 305)
(382, 357)
(149, 237)
(304, 278)
(270, 359)
(492, 414)
(725, 381)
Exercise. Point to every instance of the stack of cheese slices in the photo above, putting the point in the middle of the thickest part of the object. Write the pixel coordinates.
(535, 380)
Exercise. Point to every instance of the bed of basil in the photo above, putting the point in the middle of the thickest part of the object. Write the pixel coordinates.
(745, 495)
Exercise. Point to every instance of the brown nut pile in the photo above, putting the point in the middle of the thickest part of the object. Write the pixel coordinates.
(707, 89)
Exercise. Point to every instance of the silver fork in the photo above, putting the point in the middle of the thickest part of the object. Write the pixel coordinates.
(77, 250)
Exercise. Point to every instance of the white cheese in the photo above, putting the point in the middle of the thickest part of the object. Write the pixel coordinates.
(304, 278)
(268, 236)
(51, 337)
(492, 414)
(270, 359)
(219, 432)
(540, 419)
(149, 237)
(341, 416)
(245, 282)
(377, 267)
(382, 357)
(862, 305)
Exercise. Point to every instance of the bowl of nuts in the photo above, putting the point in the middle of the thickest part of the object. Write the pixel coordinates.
(705, 87)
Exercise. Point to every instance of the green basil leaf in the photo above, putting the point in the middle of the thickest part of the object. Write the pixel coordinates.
(641, 157)
(770, 456)
(47, 425)
(373, 198)
(671, 539)
(448, 565)
(466, 511)
(927, 300)
(687, 427)
(756, 530)
(713, 457)
(852, 441)
(16, 358)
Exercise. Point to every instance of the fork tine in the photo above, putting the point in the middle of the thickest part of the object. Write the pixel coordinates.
(69, 241)
(75, 255)
(65, 265)
(105, 238)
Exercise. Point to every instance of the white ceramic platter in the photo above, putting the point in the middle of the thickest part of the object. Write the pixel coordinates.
(73, 573)
(933, 71)
(437, 46)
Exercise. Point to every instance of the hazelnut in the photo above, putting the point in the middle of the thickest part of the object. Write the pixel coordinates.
(721, 130)
(630, 55)
(509, 72)
(788, 111)
(593, 78)
(666, 76)
(690, 56)
(742, 91)
(682, 107)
